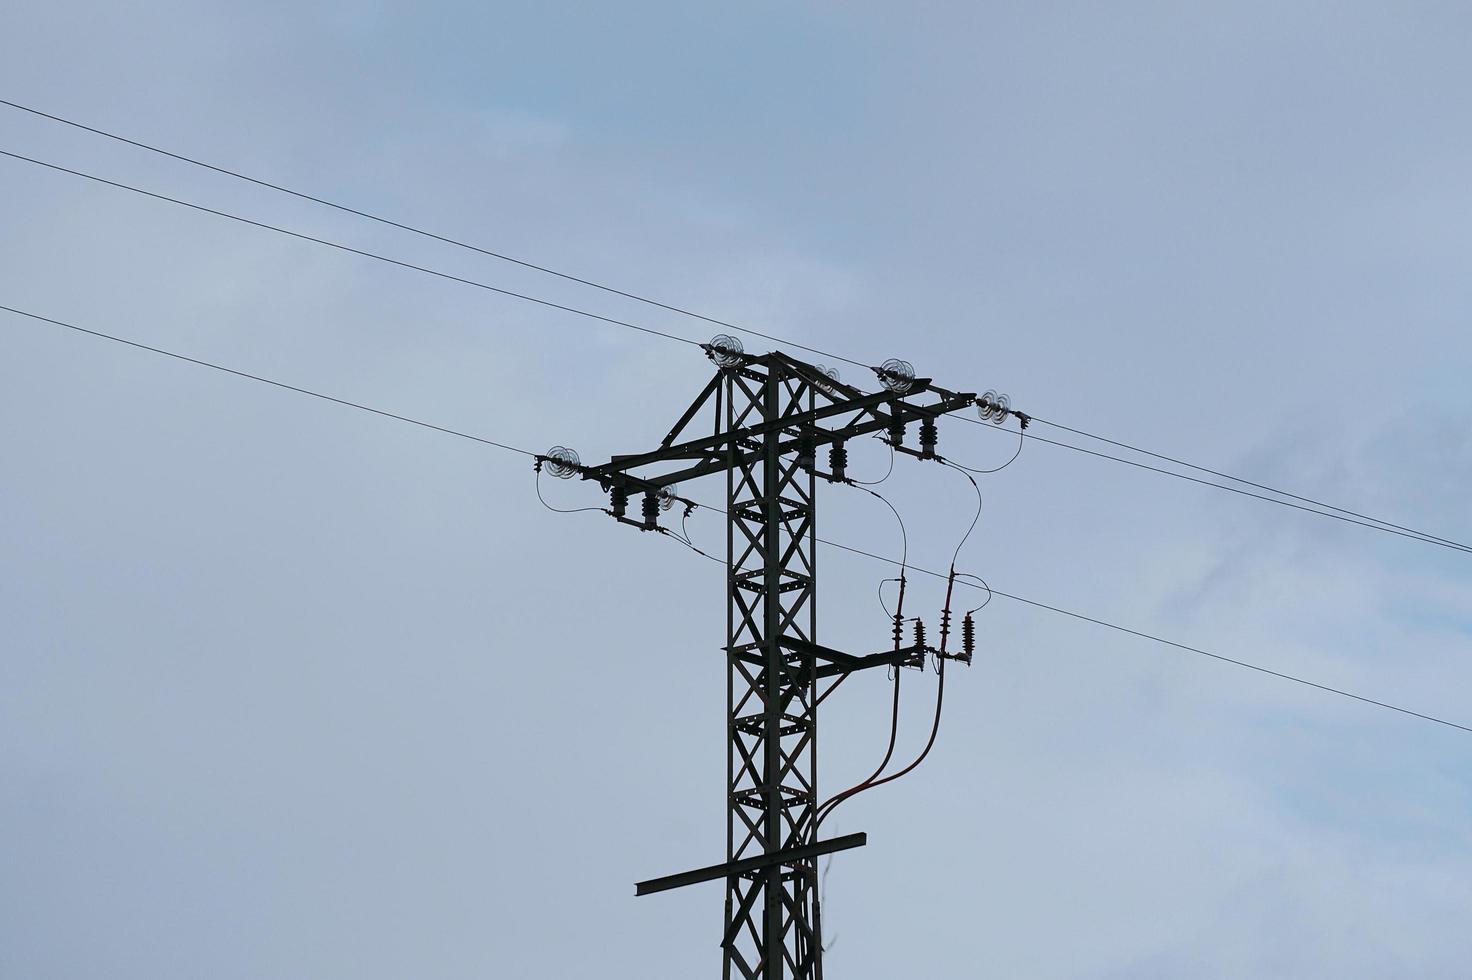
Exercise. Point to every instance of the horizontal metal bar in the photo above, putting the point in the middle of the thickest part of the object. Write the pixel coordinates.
(870, 420)
(717, 442)
(838, 662)
(815, 437)
(888, 658)
(843, 663)
(846, 660)
(733, 868)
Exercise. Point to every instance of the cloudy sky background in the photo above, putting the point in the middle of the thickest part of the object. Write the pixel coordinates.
(291, 691)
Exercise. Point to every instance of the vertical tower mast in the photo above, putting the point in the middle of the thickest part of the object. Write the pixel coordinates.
(772, 759)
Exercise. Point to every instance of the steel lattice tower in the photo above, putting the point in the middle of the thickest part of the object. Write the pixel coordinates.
(771, 415)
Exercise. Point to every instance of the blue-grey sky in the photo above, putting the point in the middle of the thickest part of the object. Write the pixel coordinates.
(290, 691)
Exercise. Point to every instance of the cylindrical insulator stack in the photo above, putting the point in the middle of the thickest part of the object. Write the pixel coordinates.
(929, 436)
(896, 431)
(920, 634)
(838, 460)
(968, 637)
(806, 454)
(945, 627)
(618, 497)
(651, 510)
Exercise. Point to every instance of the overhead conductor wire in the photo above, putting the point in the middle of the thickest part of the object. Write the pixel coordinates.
(903, 563)
(502, 256)
(1021, 437)
(683, 536)
(560, 510)
(350, 249)
(1343, 514)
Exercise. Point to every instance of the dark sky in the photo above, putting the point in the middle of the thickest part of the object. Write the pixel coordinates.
(293, 691)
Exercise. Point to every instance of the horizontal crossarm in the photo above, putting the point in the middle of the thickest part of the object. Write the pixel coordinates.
(711, 444)
(868, 422)
(839, 662)
(747, 865)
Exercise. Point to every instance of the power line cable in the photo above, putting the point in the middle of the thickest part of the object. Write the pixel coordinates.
(561, 510)
(887, 473)
(684, 311)
(1413, 535)
(985, 602)
(878, 778)
(1372, 523)
(502, 256)
(940, 692)
(975, 517)
(348, 248)
(1229, 660)
(267, 381)
(1242, 480)
(1021, 435)
(834, 544)
(992, 590)
(685, 540)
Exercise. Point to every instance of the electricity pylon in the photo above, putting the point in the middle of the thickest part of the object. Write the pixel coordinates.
(771, 414)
